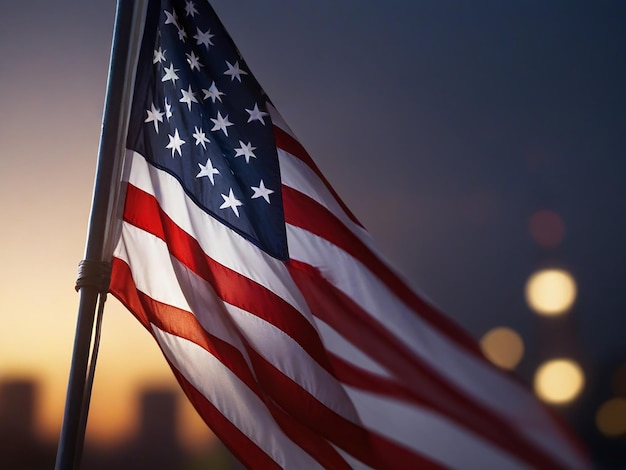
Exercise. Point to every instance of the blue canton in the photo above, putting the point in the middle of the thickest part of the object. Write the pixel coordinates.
(200, 115)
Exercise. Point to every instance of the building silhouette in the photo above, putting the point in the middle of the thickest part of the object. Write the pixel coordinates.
(155, 444)
(20, 447)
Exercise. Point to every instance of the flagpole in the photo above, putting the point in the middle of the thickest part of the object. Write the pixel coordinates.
(93, 278)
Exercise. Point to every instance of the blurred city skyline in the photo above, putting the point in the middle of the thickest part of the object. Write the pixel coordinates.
(155, 441)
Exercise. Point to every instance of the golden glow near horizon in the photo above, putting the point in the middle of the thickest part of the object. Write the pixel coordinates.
(503, 346)
(611, 417)
(118, 380)
(551, 291)
(559, 381)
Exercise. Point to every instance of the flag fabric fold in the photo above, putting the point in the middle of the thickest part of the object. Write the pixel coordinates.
(293, 338)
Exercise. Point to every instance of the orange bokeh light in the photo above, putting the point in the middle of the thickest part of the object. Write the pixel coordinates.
(503, 347)
(611, 417)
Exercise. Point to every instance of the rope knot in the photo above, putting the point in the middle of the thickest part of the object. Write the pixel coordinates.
(94, 274)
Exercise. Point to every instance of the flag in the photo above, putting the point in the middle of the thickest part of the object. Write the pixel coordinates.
(295, 341)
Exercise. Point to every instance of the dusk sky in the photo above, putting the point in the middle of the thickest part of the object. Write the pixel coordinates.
(444, 125)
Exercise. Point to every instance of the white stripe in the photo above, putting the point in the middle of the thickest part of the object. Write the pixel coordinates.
(216, 240)
(473, 376)
(233, 399)
(429, 434)
(358, 283)
(289, 358)
(341, 347)
(278, 120)
(297, 175)
(153, 273)
(354, 463)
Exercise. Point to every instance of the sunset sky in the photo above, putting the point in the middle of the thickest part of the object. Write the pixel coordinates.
(443, 124)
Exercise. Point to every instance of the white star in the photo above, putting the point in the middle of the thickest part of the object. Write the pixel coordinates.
(234, 71)
(188, 97)
(159, 56)
(261, 191)
(221, 123)
(170, 74)
(182, 34)
(190, 8)
(175, 143)
(171, 18)
(232, 202)
(168, 110)
(256, 114)
(200, 137)
(208, 170)
(246, 151)
(155, 116)
(204, 38)
(212, 93)
(194, 61)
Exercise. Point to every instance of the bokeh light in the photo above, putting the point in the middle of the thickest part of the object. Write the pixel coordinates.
(547, 228)
(611, 417)
(503, 346)
(559, 381)
(550, 291)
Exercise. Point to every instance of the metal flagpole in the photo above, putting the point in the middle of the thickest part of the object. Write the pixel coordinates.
(93, 277)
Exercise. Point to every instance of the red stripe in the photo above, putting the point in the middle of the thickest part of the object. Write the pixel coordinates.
(238, 443)
(183, 324)
(142, 210)
(292, 146)
(303, 212)
(311, 442)
(418, 380)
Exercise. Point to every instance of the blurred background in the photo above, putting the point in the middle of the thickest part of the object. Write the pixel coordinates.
(482, 144)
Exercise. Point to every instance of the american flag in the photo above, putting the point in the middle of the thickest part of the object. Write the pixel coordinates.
(295, 341)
